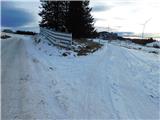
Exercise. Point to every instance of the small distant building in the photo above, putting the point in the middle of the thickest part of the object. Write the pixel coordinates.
(108, 36)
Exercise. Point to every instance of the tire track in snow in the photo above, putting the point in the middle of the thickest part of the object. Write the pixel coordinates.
(128, 94)
(10, 79)
(95, 76)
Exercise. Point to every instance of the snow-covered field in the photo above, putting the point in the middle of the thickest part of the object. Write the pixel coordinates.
(150, 47)
(113, 83)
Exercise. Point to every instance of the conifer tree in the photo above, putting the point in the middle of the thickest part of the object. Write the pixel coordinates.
(68, 16)
(53, 14)
(79, 20)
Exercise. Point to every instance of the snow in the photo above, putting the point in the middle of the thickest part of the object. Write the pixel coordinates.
(128, 44)
(113, 83)
(157, 43)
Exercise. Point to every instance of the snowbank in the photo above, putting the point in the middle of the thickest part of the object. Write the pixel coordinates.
(150, 48)
(154, 44)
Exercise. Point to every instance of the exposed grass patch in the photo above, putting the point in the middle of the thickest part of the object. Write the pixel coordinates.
(86, 46)
(138, 41)
(5, 36)
(142, 41)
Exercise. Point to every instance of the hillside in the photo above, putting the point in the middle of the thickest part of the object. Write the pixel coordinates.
(115, 82)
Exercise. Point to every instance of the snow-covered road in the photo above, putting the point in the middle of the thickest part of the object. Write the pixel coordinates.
(113, 83)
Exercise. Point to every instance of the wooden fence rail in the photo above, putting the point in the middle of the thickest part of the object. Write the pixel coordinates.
(57, 38)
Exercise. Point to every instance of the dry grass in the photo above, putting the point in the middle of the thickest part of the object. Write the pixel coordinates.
(86, 46)
(5, 36)
(142, 41)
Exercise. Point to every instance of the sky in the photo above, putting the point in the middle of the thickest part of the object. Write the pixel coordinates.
(110, 15)
(20, 14)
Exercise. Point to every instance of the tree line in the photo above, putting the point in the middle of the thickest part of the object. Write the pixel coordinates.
(68, 16)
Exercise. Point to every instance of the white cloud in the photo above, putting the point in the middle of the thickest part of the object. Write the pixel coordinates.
(120, 15)
(128, 15)
(32, 7)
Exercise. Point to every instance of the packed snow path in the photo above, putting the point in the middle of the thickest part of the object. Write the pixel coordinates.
(113, 83)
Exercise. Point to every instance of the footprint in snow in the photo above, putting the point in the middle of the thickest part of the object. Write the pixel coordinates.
(62, 101)
(54, 82)
(114, 88)
(51, 68)
(26, 78)
(35, 60)
(57, 92)
(154, 99)
(42, 102)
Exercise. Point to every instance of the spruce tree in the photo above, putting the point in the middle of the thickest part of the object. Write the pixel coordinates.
(79, 19)
(89, 29)
(53, 14)
(68, 16)
(46, 14)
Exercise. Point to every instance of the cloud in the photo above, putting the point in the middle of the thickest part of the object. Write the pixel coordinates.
(99, 19)
(100, 8)
(118, 18)
(12, 16)
(99, 29)
(125, 2)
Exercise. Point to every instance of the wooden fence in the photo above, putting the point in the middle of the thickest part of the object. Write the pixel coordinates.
(57, 38)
